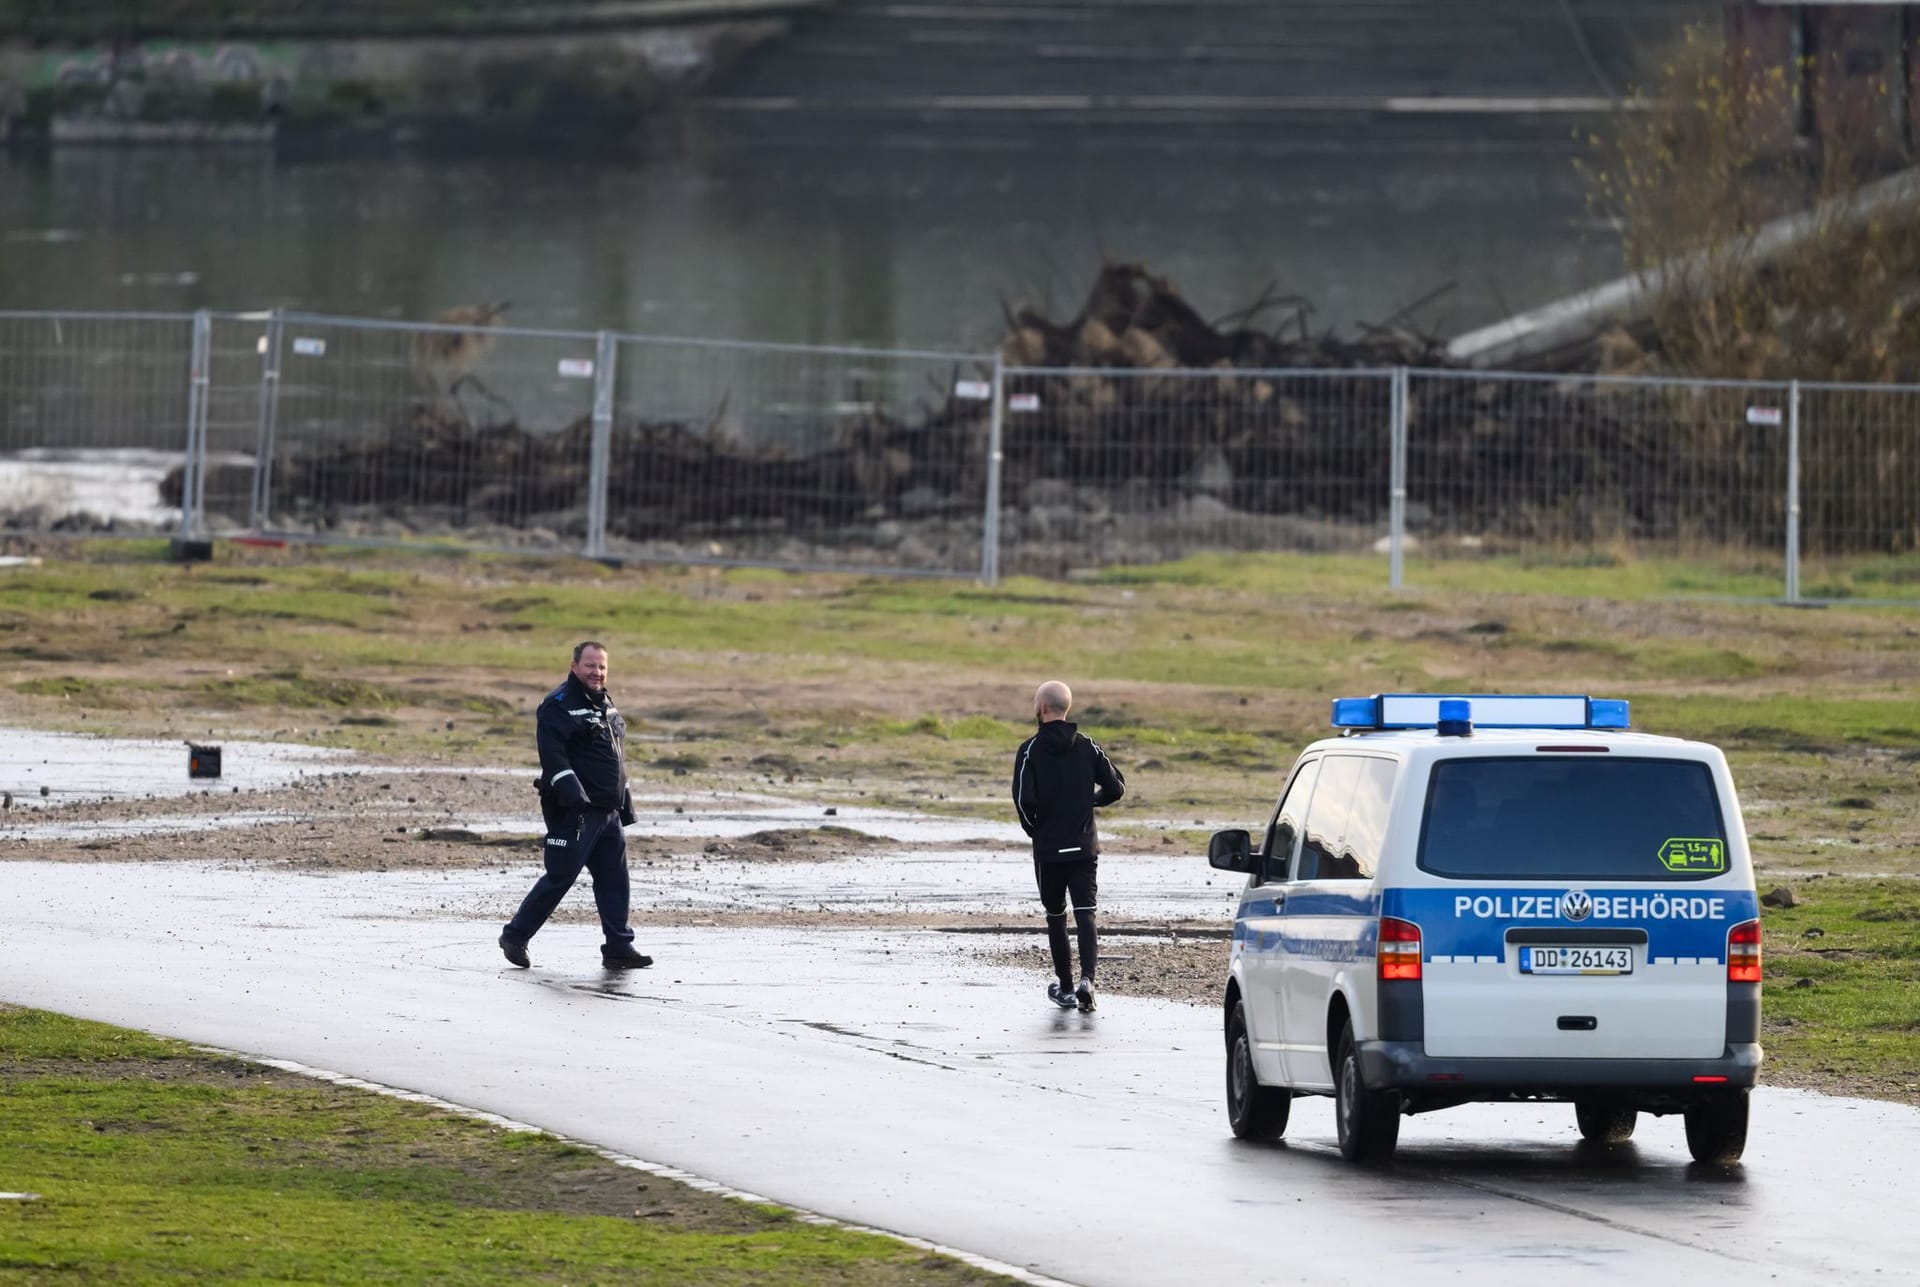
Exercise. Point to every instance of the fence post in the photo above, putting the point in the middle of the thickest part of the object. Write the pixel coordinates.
(1397, 484)
(263, 446)
(1793, 492)
(193, 472)
(605, 352)
(990, 531)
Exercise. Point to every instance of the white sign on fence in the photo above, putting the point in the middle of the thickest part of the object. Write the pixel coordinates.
(1024, 402)
(308, 346)
(577, 368)
(1763, 416)
(973, 390)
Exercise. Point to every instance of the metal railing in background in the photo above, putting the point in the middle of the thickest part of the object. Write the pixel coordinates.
(1858, 485)
(698, 451)
(1138, 466)
(799, 456)
(230, 424)
(96, 412)
(469, 433)
(1517, 463)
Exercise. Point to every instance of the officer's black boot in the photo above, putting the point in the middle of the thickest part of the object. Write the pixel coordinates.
(623, 957)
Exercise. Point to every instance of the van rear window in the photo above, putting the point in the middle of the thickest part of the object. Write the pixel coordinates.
(1589, 817)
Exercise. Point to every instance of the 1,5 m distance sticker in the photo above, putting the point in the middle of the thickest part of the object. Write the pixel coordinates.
(1694, 855)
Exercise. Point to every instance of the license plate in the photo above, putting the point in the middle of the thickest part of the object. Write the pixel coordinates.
(1576, 960)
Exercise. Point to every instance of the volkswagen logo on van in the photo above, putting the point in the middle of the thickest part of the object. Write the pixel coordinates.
(1576, 905)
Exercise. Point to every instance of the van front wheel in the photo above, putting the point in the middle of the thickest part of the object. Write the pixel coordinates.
(1368, 1120)
(1254, 1111)
(1604, 1123)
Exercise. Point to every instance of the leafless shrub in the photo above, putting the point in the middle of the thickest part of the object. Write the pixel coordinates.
(1768, 255)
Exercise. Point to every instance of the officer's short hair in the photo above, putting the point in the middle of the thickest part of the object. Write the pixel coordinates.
(580, 648)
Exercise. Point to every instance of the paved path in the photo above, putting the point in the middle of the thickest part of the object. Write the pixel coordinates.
(887, 1079)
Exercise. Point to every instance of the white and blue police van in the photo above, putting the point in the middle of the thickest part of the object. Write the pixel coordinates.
(1494, 898)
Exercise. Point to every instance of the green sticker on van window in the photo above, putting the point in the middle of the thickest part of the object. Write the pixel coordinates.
(1684, 854)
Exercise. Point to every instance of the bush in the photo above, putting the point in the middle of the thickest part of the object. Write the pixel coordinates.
(1694, 178)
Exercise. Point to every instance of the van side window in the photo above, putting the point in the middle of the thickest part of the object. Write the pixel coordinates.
(1283, 831)
(1366, 832)
(1327, 816)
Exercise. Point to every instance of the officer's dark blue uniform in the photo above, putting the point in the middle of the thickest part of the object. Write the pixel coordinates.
(585, 801)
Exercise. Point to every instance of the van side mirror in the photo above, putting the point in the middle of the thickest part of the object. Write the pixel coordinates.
(1230, 851)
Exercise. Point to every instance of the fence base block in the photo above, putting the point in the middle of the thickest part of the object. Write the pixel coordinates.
(182, 549)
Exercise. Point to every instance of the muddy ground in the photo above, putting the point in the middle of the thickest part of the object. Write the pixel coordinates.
(434, 669)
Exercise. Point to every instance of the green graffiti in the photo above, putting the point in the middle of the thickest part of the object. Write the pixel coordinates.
(176, 62)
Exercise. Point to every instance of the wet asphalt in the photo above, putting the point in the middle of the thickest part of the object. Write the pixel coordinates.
(889, 1078)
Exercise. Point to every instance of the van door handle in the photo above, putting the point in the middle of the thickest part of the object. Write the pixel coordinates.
(1578, 1023)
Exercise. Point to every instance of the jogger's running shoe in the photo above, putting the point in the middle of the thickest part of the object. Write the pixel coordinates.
(1061, 995)
(1084, 994)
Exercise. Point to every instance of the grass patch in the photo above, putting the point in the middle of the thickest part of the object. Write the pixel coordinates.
(966, 728)
(1783, 721)
(91, 692)
(1159, 654)
(1842, 970)
(296, 690)
(157, 1164)
(1579, 573)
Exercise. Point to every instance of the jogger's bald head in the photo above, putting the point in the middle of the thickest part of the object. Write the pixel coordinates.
(1052, 700)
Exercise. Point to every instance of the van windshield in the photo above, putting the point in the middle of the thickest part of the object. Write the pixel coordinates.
(1588, 817)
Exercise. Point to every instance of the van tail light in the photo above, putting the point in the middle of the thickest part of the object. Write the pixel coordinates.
(1743, 953)
(1399, 956)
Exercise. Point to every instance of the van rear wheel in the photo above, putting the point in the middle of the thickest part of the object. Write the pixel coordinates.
(1368, 1120)
(1254, 1111)
(1604, 1123)
(1717, 1129)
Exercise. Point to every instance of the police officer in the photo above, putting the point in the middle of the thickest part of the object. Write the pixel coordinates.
(1059, 778)
(585, 801)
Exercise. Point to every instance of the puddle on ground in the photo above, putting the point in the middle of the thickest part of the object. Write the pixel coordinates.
(75, 767)
(995, 878)
(936, 882)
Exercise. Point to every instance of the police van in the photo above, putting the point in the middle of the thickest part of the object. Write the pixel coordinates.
(1488, 898)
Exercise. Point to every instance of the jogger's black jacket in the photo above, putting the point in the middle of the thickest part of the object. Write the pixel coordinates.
(1059, 778)
(583, 743)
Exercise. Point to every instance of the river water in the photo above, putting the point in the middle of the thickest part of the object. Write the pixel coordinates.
(885, 241)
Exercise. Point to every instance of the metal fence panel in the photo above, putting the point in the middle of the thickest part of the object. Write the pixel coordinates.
(93, 420)
(234, 358)
(1592, 468)
(798, 457)
(473, 433)
(634, 447)
(1130, 466)
(1860, 491)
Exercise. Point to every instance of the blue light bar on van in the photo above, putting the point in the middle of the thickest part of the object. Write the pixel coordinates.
(1606, 712)
(1486, 710)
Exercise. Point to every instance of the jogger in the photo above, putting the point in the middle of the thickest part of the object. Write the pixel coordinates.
(1059, 881)
(1059, 779)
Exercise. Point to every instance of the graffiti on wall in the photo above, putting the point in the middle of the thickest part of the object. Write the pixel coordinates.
(166, 62)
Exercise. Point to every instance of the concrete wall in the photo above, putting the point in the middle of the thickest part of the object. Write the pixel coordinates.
(254, 87)
(1829, 70)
